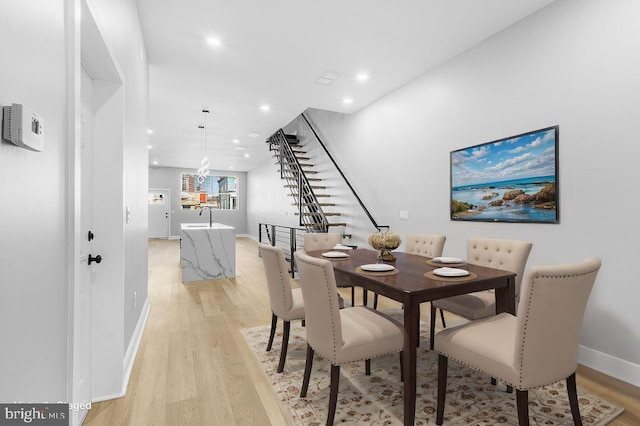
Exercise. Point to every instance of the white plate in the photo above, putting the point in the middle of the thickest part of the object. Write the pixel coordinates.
(451, 272)
(335, 254)
(377, 267)
(447, 260)
(341, 247)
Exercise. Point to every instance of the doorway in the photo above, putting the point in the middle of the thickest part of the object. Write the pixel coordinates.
(96, 127)
(159, 203)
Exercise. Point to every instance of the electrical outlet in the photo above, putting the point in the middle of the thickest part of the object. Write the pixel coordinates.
(404, 215)
(135, 299)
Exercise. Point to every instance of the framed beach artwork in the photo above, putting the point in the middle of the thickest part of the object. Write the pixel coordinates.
(514, 179)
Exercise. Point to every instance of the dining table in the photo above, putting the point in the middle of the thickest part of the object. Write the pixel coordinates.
(411, 283)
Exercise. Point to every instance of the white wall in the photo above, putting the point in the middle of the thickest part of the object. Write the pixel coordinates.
(33, 287)
(35, 192)
(574, 64)
(330, 127)
(268, 200)
(169, 178)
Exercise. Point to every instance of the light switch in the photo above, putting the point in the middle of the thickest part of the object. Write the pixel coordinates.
(404, 215)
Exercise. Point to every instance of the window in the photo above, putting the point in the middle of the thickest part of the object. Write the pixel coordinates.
(217, 192)
(155, 198)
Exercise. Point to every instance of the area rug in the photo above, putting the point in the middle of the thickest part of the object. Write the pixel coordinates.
(377, 399)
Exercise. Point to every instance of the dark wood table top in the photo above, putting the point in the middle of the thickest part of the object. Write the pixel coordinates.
(410, 280)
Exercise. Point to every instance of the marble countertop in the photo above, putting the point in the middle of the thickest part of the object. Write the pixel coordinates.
(204, 225)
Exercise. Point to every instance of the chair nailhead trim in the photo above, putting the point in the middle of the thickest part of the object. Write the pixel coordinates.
(490, 375)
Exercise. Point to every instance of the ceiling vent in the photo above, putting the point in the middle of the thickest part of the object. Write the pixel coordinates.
(327, 78)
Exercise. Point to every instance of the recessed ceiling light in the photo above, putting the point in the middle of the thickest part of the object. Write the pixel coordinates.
(246, 155)
(240, 148)
(149, 131)
(155, 163)
(230, 167)
(253, 134)
(347, 101)
(362, 76)
(214, 41)
(236, 141)
(265, 107)
(149, 146)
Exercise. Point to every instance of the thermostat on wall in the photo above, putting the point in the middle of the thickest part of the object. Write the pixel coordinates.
(23, 127)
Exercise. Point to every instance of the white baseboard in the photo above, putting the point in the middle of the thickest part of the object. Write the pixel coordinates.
(251, 237)
(134, 344)
(610, 365)
(130, 356)
(174, 237)
(108, 397)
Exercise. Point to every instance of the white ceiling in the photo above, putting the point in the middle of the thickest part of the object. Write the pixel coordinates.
(272, 53)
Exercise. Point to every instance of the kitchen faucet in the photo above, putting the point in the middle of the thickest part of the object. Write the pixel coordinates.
(210, 215)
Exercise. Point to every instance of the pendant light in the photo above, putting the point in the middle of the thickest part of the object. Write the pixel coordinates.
(203, 171)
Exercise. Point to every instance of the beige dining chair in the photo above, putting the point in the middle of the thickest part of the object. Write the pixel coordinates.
(340, 335)
(325, 241)
(508, 255)
(427, 245)
(286, 303)
(537, 347)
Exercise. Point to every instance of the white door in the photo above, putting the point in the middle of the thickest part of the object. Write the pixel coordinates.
(86, 273)
(97, 331)
(159, 213)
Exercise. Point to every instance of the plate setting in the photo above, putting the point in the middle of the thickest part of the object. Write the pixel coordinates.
(377, 267)
(444, 259)
(335, 254)
(450, 272)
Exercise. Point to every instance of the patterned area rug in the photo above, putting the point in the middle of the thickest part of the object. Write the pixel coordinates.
(377, 399)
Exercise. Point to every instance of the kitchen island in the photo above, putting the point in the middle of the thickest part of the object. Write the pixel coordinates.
(207, 252)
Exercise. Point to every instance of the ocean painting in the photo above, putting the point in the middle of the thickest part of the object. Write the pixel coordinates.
(510, 180)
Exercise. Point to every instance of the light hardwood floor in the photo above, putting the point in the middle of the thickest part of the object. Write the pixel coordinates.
(193, 366)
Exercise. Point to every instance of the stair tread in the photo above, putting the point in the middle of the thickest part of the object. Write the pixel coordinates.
(320, 225)
(318, 214)
(312, 186)
(313, 172)
(317, 195)
(310, 179)
(318, 204)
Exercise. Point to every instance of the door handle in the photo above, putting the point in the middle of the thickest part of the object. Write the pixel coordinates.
(96, 259)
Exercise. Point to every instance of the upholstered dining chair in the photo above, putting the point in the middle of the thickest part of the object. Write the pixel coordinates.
(508, 255)
(286, 303)
(340, 335)
(325, 241)
(537, 347)
(428, 245)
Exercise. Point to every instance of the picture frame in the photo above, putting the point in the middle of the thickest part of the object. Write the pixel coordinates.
(513, 179)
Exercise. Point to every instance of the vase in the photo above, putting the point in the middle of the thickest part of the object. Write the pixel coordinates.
(385, 242)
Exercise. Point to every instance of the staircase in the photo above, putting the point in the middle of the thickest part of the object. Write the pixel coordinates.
(305, 186)
(308, 193)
